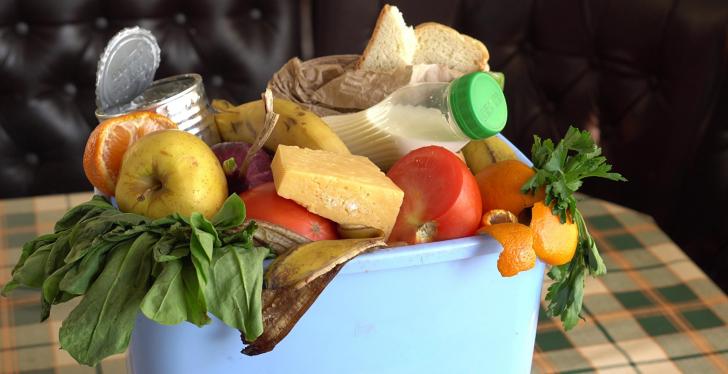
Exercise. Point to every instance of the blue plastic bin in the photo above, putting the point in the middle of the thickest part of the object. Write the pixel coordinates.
(430, 308)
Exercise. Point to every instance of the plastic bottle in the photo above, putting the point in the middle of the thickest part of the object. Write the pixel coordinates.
(446, 114)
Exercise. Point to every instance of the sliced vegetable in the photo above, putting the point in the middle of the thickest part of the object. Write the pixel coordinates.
(263, 203)
(441, 197)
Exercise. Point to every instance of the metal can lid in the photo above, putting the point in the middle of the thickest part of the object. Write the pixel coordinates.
(126, 67)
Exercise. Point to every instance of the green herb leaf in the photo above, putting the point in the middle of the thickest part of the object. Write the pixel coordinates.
(195, 300)
(123, 262)
(164, 303)
(234, 293)
(51, 290)
(57, 254)
(30, 247)
(195, 278)
(96, 205)
(203, 241)
(172, 245)
(32, 273)
(560, 169)
(79, 277)
(102, 322)
(232, 213)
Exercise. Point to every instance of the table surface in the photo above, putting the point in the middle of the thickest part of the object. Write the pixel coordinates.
(655, 310)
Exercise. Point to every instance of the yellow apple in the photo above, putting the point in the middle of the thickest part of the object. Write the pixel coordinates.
(170, 171)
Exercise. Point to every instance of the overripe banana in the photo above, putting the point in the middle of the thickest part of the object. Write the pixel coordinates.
(347, 231)
(301, 265)
(296, 125)
(481, 153)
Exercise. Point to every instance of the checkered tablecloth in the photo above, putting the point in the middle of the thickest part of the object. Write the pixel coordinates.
(654, 312)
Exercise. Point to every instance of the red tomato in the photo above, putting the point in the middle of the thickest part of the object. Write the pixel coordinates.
(441, 197)
(263, 203)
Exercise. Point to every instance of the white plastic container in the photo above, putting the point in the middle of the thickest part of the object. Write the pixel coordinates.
(414, 116)
(429, 308)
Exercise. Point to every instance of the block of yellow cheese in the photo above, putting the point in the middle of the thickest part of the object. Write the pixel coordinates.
(346, 189)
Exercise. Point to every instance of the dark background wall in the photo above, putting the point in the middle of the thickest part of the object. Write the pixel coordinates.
(648, 79)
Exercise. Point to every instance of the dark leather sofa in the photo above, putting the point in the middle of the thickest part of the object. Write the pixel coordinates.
(648, 78)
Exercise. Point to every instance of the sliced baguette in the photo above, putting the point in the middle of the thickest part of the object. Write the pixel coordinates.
(440, 44)
(392, 44)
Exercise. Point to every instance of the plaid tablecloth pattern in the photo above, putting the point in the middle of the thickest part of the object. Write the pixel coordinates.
(654, 312)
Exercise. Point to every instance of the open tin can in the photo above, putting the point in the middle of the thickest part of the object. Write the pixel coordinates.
(124, 84)
(182, 98)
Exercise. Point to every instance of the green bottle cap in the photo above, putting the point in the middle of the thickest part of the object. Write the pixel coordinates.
(478, 105)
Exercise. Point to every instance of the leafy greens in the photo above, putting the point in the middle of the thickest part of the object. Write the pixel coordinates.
(560, 170)
(173, 269)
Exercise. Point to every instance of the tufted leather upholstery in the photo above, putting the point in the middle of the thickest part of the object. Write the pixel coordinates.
(644, 76)
(48, 56)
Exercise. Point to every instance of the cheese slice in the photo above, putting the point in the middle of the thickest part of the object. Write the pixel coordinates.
(346, 189)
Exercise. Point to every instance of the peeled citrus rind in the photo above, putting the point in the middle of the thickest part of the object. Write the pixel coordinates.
(498, 216)
(517, 240)
(554, 242)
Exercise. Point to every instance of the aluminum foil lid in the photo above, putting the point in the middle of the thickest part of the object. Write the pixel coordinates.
(126, 67)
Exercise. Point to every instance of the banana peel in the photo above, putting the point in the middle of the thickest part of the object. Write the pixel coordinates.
(481, 153)
(295, 280)
(278, 238)
(348, 231)
(282, 308)
(306, 262)
(296, 125)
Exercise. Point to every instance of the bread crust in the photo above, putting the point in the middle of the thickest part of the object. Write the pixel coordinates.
(482, 63)
(382, 13)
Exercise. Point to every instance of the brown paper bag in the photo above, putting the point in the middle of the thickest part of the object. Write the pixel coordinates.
(330, 85)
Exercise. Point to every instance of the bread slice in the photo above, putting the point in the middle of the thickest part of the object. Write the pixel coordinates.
(439, 44)
(392, 44)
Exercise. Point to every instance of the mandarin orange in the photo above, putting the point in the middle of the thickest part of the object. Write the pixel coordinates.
(500, 186)
(109, 141)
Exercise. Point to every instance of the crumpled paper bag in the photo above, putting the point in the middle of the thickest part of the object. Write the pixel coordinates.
(330, 85)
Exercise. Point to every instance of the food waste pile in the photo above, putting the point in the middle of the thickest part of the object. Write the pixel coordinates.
(252, 229)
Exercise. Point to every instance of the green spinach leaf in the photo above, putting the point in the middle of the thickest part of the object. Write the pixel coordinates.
(57, 254)
(195, 300)
(101, 324)
(51, 292)
(96, 205)
(202, 242)
(232, 213)
(165, 303)
(31, 273)
(234, 293)
(77, 280)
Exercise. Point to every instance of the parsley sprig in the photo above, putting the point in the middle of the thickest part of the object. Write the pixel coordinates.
(560, 170)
